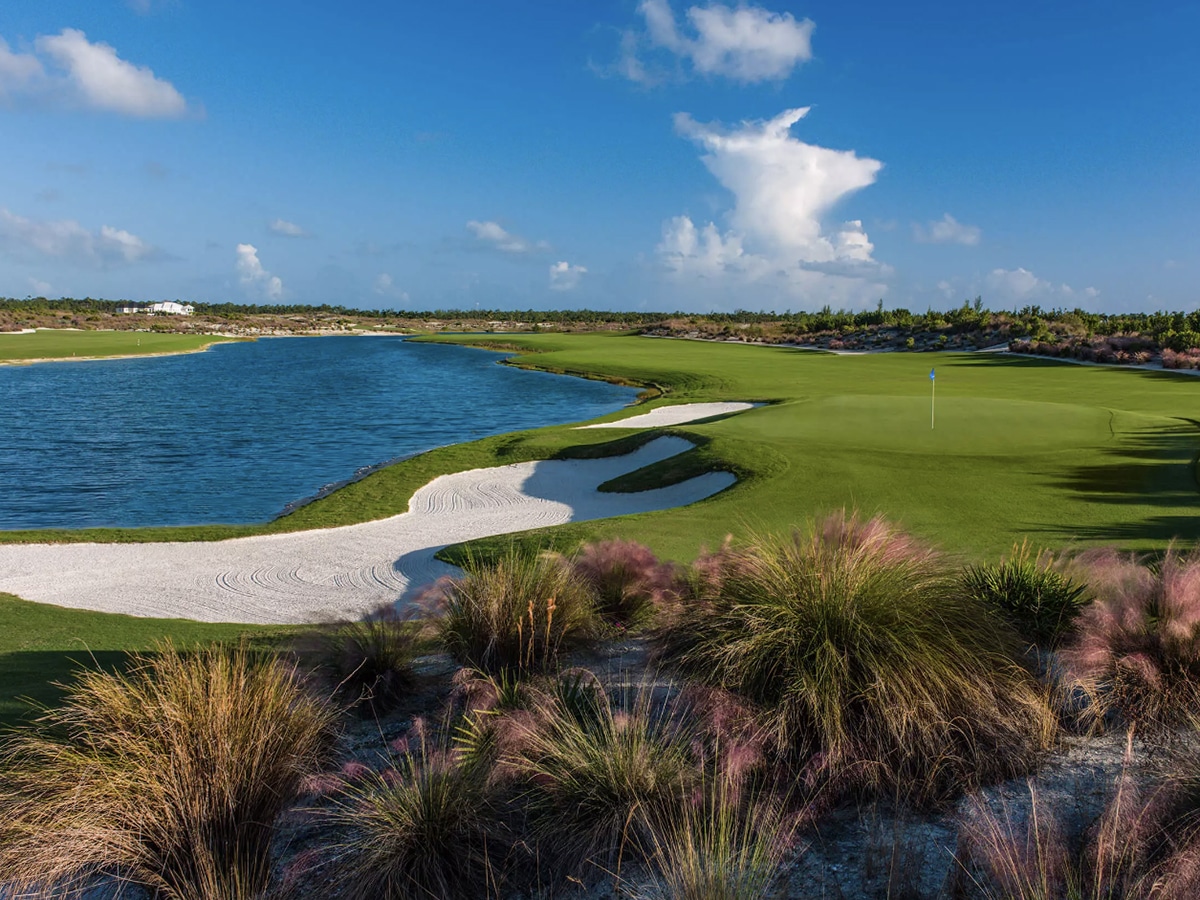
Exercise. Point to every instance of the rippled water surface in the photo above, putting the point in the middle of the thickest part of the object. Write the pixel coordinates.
(239, 432)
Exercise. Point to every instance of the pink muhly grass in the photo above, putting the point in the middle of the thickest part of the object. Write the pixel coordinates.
(629, 580)
(1136, 650)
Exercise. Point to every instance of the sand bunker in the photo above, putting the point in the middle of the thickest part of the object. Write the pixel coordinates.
(338, 572)
(675, 415)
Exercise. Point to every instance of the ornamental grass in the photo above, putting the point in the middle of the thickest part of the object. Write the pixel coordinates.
(518, 614)
(168, 777)
(866, 660)
(1136, 648)
(630, 582)
(371, 661)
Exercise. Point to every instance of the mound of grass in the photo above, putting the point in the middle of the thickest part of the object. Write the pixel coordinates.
(370, 661)
(518, 614)
(598, 772)
(1136, 649)
(418, 830)
(628, 579)
(865, 660)
(1037, 600)
(169, 777)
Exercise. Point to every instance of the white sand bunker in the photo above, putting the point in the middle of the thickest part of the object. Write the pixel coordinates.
(676, 415)
(316, 575)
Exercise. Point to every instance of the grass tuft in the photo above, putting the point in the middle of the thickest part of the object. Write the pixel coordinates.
(169, 777)
(519, 614)
(1037, 600)
(629, 580)
(371, 660)
(1136, 649)
(865, 659)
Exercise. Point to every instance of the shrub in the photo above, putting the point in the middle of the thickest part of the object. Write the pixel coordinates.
(1040, 602)
(371, 660)
(865, 658)
(629, 580)
(417, 830)
(169, 777)
(1136, 650)
(597, 771)
(518, 614)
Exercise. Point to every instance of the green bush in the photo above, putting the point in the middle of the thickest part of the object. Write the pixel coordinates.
(1038, 601)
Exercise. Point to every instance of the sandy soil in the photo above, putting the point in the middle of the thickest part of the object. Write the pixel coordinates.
(676, 415)
(338, 572)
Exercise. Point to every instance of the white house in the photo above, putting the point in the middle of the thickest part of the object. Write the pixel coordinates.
(170, 308)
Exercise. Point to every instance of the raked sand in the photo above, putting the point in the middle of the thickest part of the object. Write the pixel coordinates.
(675, 415)
(338, 572)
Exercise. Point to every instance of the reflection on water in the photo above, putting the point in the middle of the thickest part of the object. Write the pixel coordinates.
(237, 433)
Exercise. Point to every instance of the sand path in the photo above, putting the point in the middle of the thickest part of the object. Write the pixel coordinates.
(338, 572)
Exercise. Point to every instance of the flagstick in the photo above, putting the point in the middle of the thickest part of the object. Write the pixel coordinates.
(932, 400)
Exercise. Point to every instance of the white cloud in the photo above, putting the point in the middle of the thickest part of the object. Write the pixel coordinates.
(1019, 286)
(288, 229)
(492, 234)
(17, 70)
(745, 43)
(384, 286)
(40, 288)
(86, 75)
(565, 277)
(254, 277)
(783, 191)
(947, 230)
(67, 240)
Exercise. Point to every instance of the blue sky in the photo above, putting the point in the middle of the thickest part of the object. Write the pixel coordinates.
(619, 155)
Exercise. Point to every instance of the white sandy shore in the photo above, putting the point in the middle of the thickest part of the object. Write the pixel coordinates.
(675, 415)
(338, 572)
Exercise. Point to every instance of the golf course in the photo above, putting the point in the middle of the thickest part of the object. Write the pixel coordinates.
(51, 344)
(1065, 456)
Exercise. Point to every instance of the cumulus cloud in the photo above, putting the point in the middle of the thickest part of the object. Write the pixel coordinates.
(783, 191)
(40, 288)
(1019, 286)
(288, 229)
(384, 286)
(69, 241)
(565, 277)
(254, 278)
(67, 69)
(744, 43)
(499, 239)
(947, 230)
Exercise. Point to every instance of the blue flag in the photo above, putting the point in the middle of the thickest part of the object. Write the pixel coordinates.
(931, 374)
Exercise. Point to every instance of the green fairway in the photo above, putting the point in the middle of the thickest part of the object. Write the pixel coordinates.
(1064, 455)
(50, 344)
(40, 645)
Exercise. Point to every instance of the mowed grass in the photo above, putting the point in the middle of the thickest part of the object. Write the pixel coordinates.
(40, 645)
(61, 344)
(1023, 448)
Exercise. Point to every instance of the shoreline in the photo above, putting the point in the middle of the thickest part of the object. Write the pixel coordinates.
(220, 339)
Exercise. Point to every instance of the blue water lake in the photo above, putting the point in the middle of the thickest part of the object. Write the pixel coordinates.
(237, 433)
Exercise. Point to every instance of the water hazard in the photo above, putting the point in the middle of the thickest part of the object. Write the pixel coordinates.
(238, 433)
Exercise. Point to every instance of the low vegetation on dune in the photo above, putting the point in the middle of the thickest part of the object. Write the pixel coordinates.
(169, 777)
(774, 691)
(1136, 648)
(865, 660)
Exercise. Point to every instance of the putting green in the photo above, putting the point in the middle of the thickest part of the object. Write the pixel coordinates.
(48, 344)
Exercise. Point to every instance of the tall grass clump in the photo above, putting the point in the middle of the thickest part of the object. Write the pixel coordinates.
(1037, 600)
(629, 580)
(719, 846)
(168, 777)
(1136, 649)
(418, 830)
(371, 660)
(518, 614)
(597, 772)
(866, 660)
